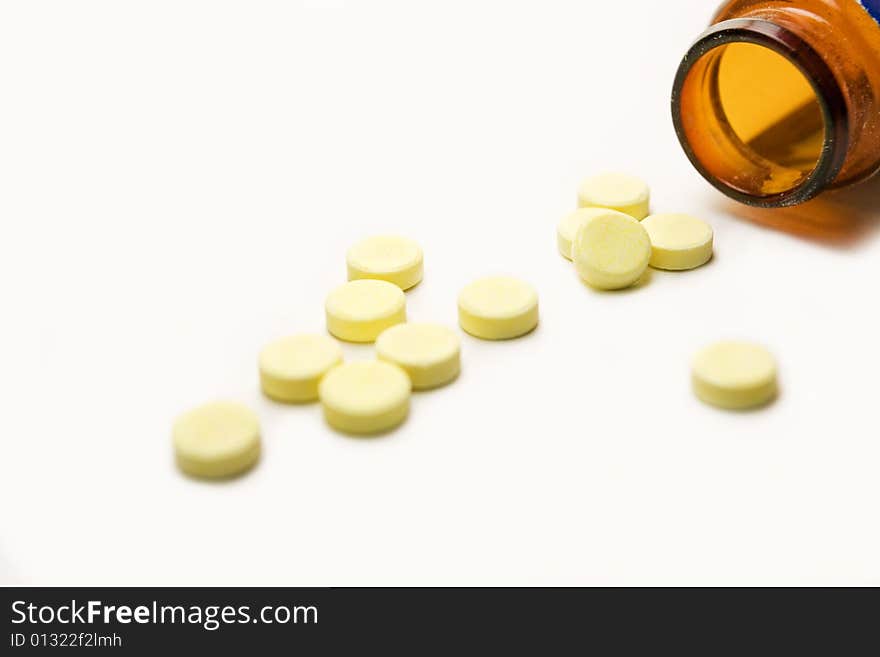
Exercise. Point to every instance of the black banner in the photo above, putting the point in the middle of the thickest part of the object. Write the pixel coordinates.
(454, 621)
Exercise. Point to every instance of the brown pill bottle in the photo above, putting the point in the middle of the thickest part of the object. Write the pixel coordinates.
(779, 100)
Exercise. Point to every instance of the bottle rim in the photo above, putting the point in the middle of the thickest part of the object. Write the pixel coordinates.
(831, 99)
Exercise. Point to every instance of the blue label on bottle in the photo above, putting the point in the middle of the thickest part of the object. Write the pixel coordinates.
(872, 7)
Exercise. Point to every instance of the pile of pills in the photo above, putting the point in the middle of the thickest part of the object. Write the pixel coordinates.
(360, 397)
(611, 238)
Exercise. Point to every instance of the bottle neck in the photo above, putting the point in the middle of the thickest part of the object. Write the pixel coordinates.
(760, 114)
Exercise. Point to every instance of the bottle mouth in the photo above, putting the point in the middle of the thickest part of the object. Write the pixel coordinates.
(759, 113)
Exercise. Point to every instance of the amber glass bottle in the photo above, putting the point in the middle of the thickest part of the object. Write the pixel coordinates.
(779, 100)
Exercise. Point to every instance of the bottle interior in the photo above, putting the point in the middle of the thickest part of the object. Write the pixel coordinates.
(753, 119)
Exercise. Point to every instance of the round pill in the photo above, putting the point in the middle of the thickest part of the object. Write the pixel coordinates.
(220, 439)
(360, 310)
(611, 251)
(569, 226)
(394, 259)
(428, 353)
(616, 191)
(290, 368)
(678, 241)
(734, 375)
(498, 308)
(365, 397)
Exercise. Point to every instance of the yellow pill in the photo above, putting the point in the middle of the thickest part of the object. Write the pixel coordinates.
(220, 439)
(365, 397)
(678, 241)
(428, 353)
(616, 191)
(734, 375)
(611, 251)
(290, 368)
(569, 226)
(498, 308)
(360, 310)
(394, 259)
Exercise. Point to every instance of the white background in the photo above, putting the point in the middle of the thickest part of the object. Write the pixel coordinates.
(179, 182)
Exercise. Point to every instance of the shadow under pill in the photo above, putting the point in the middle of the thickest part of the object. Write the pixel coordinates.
(220, 481)
(643, 281)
